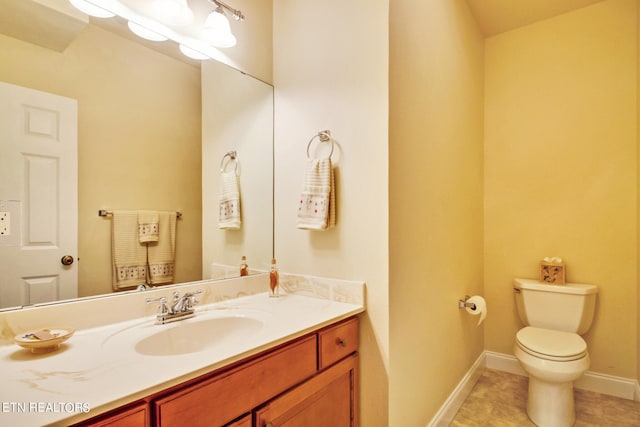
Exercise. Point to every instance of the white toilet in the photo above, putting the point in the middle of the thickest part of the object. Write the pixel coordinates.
(550, 348)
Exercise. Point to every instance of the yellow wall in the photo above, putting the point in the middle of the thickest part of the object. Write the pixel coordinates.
(561, 168)
(138, 138)
(435, 202)
(331, 72)
(501, 151)
(638, 195)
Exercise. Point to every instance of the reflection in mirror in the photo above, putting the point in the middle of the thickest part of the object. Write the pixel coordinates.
(237, 118)
(141, 135)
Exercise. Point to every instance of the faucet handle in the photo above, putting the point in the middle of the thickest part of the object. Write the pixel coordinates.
(192, 294)
(190, 298)
(163, 309)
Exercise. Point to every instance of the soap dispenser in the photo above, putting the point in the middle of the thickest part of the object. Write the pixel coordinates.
(244, 267)
(274, 279)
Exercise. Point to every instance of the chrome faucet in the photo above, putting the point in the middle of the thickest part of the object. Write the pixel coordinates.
(181, 308)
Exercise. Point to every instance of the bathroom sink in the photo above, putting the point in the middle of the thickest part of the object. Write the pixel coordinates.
(197, 335)
(207, 330)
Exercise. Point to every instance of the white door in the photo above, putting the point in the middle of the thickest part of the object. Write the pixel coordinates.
(38, 196)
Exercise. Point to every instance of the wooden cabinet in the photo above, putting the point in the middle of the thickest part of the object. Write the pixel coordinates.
(136, 415)
(337, 342)
(221, 399)
(310, 381)
(245, 421)
(328, 399)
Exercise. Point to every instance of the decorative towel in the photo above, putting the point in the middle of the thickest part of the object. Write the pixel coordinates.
(229, 201)
(147, 226)
(161, 254)
(317, 209)
(128, 255)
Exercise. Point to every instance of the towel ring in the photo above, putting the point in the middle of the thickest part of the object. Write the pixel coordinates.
(324, 136)
(233, 157)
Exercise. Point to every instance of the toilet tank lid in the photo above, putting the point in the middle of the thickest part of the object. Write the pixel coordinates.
(568, 288)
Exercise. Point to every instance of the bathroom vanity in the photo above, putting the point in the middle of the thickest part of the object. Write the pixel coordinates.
(243, 360)
(309, 381)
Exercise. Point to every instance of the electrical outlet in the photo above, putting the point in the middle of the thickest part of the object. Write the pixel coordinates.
(5, 223)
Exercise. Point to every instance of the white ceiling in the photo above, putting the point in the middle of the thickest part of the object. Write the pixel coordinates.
(497, 16)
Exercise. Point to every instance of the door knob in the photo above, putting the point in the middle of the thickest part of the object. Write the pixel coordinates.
(66, 260)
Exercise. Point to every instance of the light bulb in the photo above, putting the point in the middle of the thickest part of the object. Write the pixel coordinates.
(91, 9)
(192, 53)
(173, 12)
(145, 33)
(217, 30)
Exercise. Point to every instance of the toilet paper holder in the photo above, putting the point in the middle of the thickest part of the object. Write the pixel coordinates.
(462, 303)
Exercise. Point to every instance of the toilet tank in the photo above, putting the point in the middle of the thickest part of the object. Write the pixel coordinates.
(568, 307)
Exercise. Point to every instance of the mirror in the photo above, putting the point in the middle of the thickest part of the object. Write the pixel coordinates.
(152, 132)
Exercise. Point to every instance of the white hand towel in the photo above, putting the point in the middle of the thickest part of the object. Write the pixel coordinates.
(317, 207)
(229, 201)
(162, 253)
(147, 226)
(129, 257)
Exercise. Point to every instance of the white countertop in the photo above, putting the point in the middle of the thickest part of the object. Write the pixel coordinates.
(98, 368)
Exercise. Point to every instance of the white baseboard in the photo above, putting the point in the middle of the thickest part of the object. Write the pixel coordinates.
(607, 384)
(455, 400)
(503, 362)
(592, 381)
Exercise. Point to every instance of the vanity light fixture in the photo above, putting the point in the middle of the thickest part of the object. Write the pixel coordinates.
(216, 28)
(173, 12)
(161, 18)
(237, 15)
(91, 9)
(144, 32)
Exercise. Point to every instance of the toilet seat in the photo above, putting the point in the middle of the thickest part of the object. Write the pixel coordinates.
(551, 345)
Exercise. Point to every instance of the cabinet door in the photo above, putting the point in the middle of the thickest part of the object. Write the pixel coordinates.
(228, 395)
(328, 399)
(245, 421)
(135, 416)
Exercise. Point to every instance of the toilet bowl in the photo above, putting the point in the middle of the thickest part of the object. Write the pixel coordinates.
(550, 348)
(553, 360)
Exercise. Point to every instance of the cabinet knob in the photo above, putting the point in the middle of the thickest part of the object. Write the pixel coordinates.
(341, 342)
(268, 425)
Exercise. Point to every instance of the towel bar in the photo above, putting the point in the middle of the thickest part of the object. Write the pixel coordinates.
(104, 212)
(323, 136)
(233, 157)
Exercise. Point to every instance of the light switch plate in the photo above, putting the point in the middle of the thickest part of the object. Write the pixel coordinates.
(5, 223)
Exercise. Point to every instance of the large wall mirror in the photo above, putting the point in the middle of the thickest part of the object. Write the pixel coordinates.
(152, 132)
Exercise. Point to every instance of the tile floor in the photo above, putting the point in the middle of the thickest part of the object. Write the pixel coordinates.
(500, 399)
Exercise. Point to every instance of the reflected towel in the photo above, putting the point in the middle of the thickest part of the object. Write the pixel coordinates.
(147, 226)
(129, 257)
(317, 208)
(229, 201)
(161, 254)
